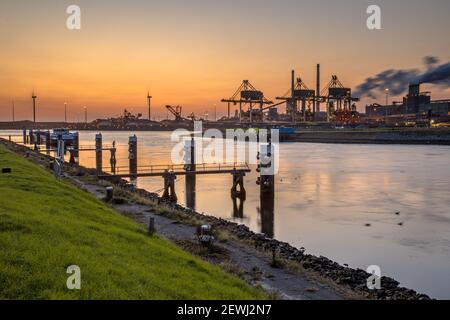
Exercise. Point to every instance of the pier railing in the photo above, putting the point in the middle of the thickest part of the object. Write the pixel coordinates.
(179, 169)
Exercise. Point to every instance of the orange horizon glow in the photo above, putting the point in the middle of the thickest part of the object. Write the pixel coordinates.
(186, 54)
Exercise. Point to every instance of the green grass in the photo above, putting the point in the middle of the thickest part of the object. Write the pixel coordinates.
(47, 225)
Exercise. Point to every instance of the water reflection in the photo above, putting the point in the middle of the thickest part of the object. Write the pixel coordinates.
(325, 195)
(267, 213)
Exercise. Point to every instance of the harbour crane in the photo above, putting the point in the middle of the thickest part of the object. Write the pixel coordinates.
(176, 111)
(339, 100)
(247, 94)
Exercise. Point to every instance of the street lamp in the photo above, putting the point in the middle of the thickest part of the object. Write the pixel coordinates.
(85, 114)
(387, 102)
(65, 112)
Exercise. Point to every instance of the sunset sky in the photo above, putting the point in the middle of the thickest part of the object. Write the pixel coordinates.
(196, 52)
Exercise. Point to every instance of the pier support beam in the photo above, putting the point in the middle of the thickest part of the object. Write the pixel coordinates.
(99, 153)
(238, 207)
(238, 190)
(169, 187)
(113, 160)
(132, 156)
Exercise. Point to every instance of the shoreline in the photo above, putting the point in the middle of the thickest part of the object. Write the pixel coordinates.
(318, 268)
(394, 136)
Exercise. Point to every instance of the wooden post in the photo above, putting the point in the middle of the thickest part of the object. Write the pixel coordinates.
(132, 155)
(24, 136)
(76, 147)
(31, 135)
(190, 166)
(47, 140)
(99, 153)
(151, 226)
(109, 193)
(266, 182)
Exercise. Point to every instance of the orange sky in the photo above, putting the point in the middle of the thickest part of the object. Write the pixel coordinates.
(195, 54)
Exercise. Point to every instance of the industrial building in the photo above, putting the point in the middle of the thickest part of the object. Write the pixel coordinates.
(416, 106)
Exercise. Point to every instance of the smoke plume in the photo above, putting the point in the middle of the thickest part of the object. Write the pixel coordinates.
(397, 81)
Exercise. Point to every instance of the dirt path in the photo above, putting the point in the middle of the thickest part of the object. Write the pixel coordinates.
(254, 265)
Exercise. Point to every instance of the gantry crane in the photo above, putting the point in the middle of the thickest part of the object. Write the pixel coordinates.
(246, 94)
(339, 101)
(299, 93)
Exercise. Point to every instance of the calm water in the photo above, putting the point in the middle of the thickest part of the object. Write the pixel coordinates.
(325, 196)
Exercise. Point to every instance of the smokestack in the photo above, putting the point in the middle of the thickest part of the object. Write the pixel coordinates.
(414, 89)
(293, 102)
(318, 89)
(293, 84)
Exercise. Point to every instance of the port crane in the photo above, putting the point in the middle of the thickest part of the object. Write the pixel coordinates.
(339, 100)
(176, 111)
(247, 94)
(299, 93)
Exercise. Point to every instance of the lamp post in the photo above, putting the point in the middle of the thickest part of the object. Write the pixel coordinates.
(85, 115)
(65, 112)
(387, 102)
(13, 111)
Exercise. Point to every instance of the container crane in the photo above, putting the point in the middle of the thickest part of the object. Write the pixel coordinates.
(247, 94)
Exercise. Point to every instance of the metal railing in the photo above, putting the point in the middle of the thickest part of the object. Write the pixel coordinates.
(199, 168)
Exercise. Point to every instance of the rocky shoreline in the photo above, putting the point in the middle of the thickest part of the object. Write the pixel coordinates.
(353, 279)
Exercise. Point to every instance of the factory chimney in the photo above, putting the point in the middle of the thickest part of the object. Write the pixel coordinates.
(293, 102)
(318, 89)
(34, 96)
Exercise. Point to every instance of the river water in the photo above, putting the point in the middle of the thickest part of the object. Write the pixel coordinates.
(361, 205)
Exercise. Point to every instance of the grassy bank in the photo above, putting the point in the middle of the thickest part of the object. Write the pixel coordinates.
(47, 225)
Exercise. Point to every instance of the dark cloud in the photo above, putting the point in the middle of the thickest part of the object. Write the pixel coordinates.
(398, 80)
(430, 60)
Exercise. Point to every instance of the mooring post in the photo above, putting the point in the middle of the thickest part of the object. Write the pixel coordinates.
(266, 168)
(266, 182)
(98, 152)
(109, 194)
(31, 135)
(74, 151)
(190, 167)
(151, 226)
(47, 140)
(112, 160)
(132, 155)
(59, 160)
(24, 136)
(38, 137)
(76, 146)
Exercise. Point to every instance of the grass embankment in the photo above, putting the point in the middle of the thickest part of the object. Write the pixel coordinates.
(47, 225)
